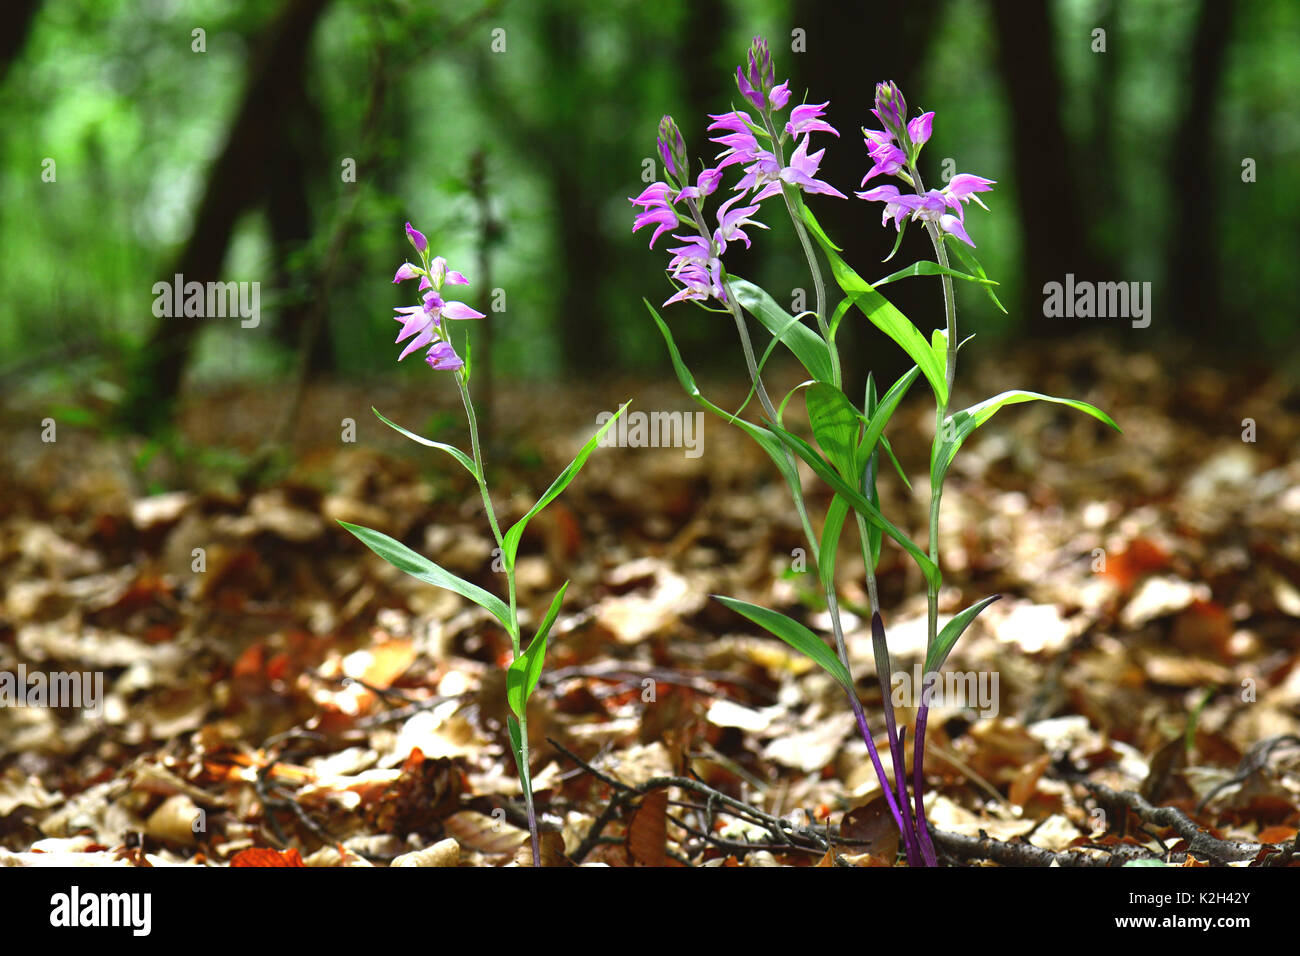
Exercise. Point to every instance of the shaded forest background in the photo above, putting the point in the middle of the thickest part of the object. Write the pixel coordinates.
(512, 133)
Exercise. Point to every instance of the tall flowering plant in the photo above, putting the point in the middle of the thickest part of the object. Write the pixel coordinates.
(428, 325)
(770, 147)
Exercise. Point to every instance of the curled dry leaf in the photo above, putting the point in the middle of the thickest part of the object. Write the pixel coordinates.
(647, 831)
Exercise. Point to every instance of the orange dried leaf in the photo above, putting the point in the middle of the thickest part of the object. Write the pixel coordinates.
(647, 831)
(262, 856)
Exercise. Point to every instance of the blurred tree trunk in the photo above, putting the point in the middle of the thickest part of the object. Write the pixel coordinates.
(1192, 265)
(1100, 177)
(18, 15)
(577, 187)
(238, 180)
(584, 167)
(1053, 223)
(289, 215)
(837, 67)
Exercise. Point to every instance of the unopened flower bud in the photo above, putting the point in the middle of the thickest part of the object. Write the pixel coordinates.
(761, 75)
(417, 239)
(672, 149)
(891, 108)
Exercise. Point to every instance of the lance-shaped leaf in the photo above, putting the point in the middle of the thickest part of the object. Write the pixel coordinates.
(958, 426)
(880, 414)
(883, 314)
(970, 262)
(526, 669)
(831, 531)
(807, 345)
(857, 500)
(452, 450)
(421, 568)
(761, 436)
(869, 459)
(835, 424)
(796, 635)
(927, 268)
(517, 745)
(947, 638)
(510, 541)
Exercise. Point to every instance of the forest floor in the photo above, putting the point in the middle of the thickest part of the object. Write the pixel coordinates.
(297, 701)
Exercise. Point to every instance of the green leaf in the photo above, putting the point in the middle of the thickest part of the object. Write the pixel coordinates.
(761, 436)
(421, 568)
(838, 315)
(885, 317)
(835, 424)
(818, 232)
(947, 638)
(1145, 863)
(526, 669)
(889, 450)
(883, 411)
(939, 345)
(871, 537)
(796, 635)
(958, 426)
(831, 531)
(856, 499)
(517, 745)
(968, 259)
(510, 541)
(762, 363)
(807, 345)
(898, 241)
(452, 450)
(927, 268)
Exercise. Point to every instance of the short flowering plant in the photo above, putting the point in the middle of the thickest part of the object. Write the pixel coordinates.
(771, 150)
(428, 324)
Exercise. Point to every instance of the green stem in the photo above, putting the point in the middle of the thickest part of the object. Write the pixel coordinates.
(819, 284)
(755, 377)
(936, 497)
(897, 806)
(521, 758)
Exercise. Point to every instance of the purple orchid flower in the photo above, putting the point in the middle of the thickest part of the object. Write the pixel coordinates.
(444, 358)
(423, 324)
(890, 158)
(706, 184)
(963, 187)
(918, 129)
(438, 269)
(701, 281)
(657, 208)
(897, 206)
(807, 119)
(779, 96)
(886, 158)
(803, 167)
(931, 207)
(731, 223)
